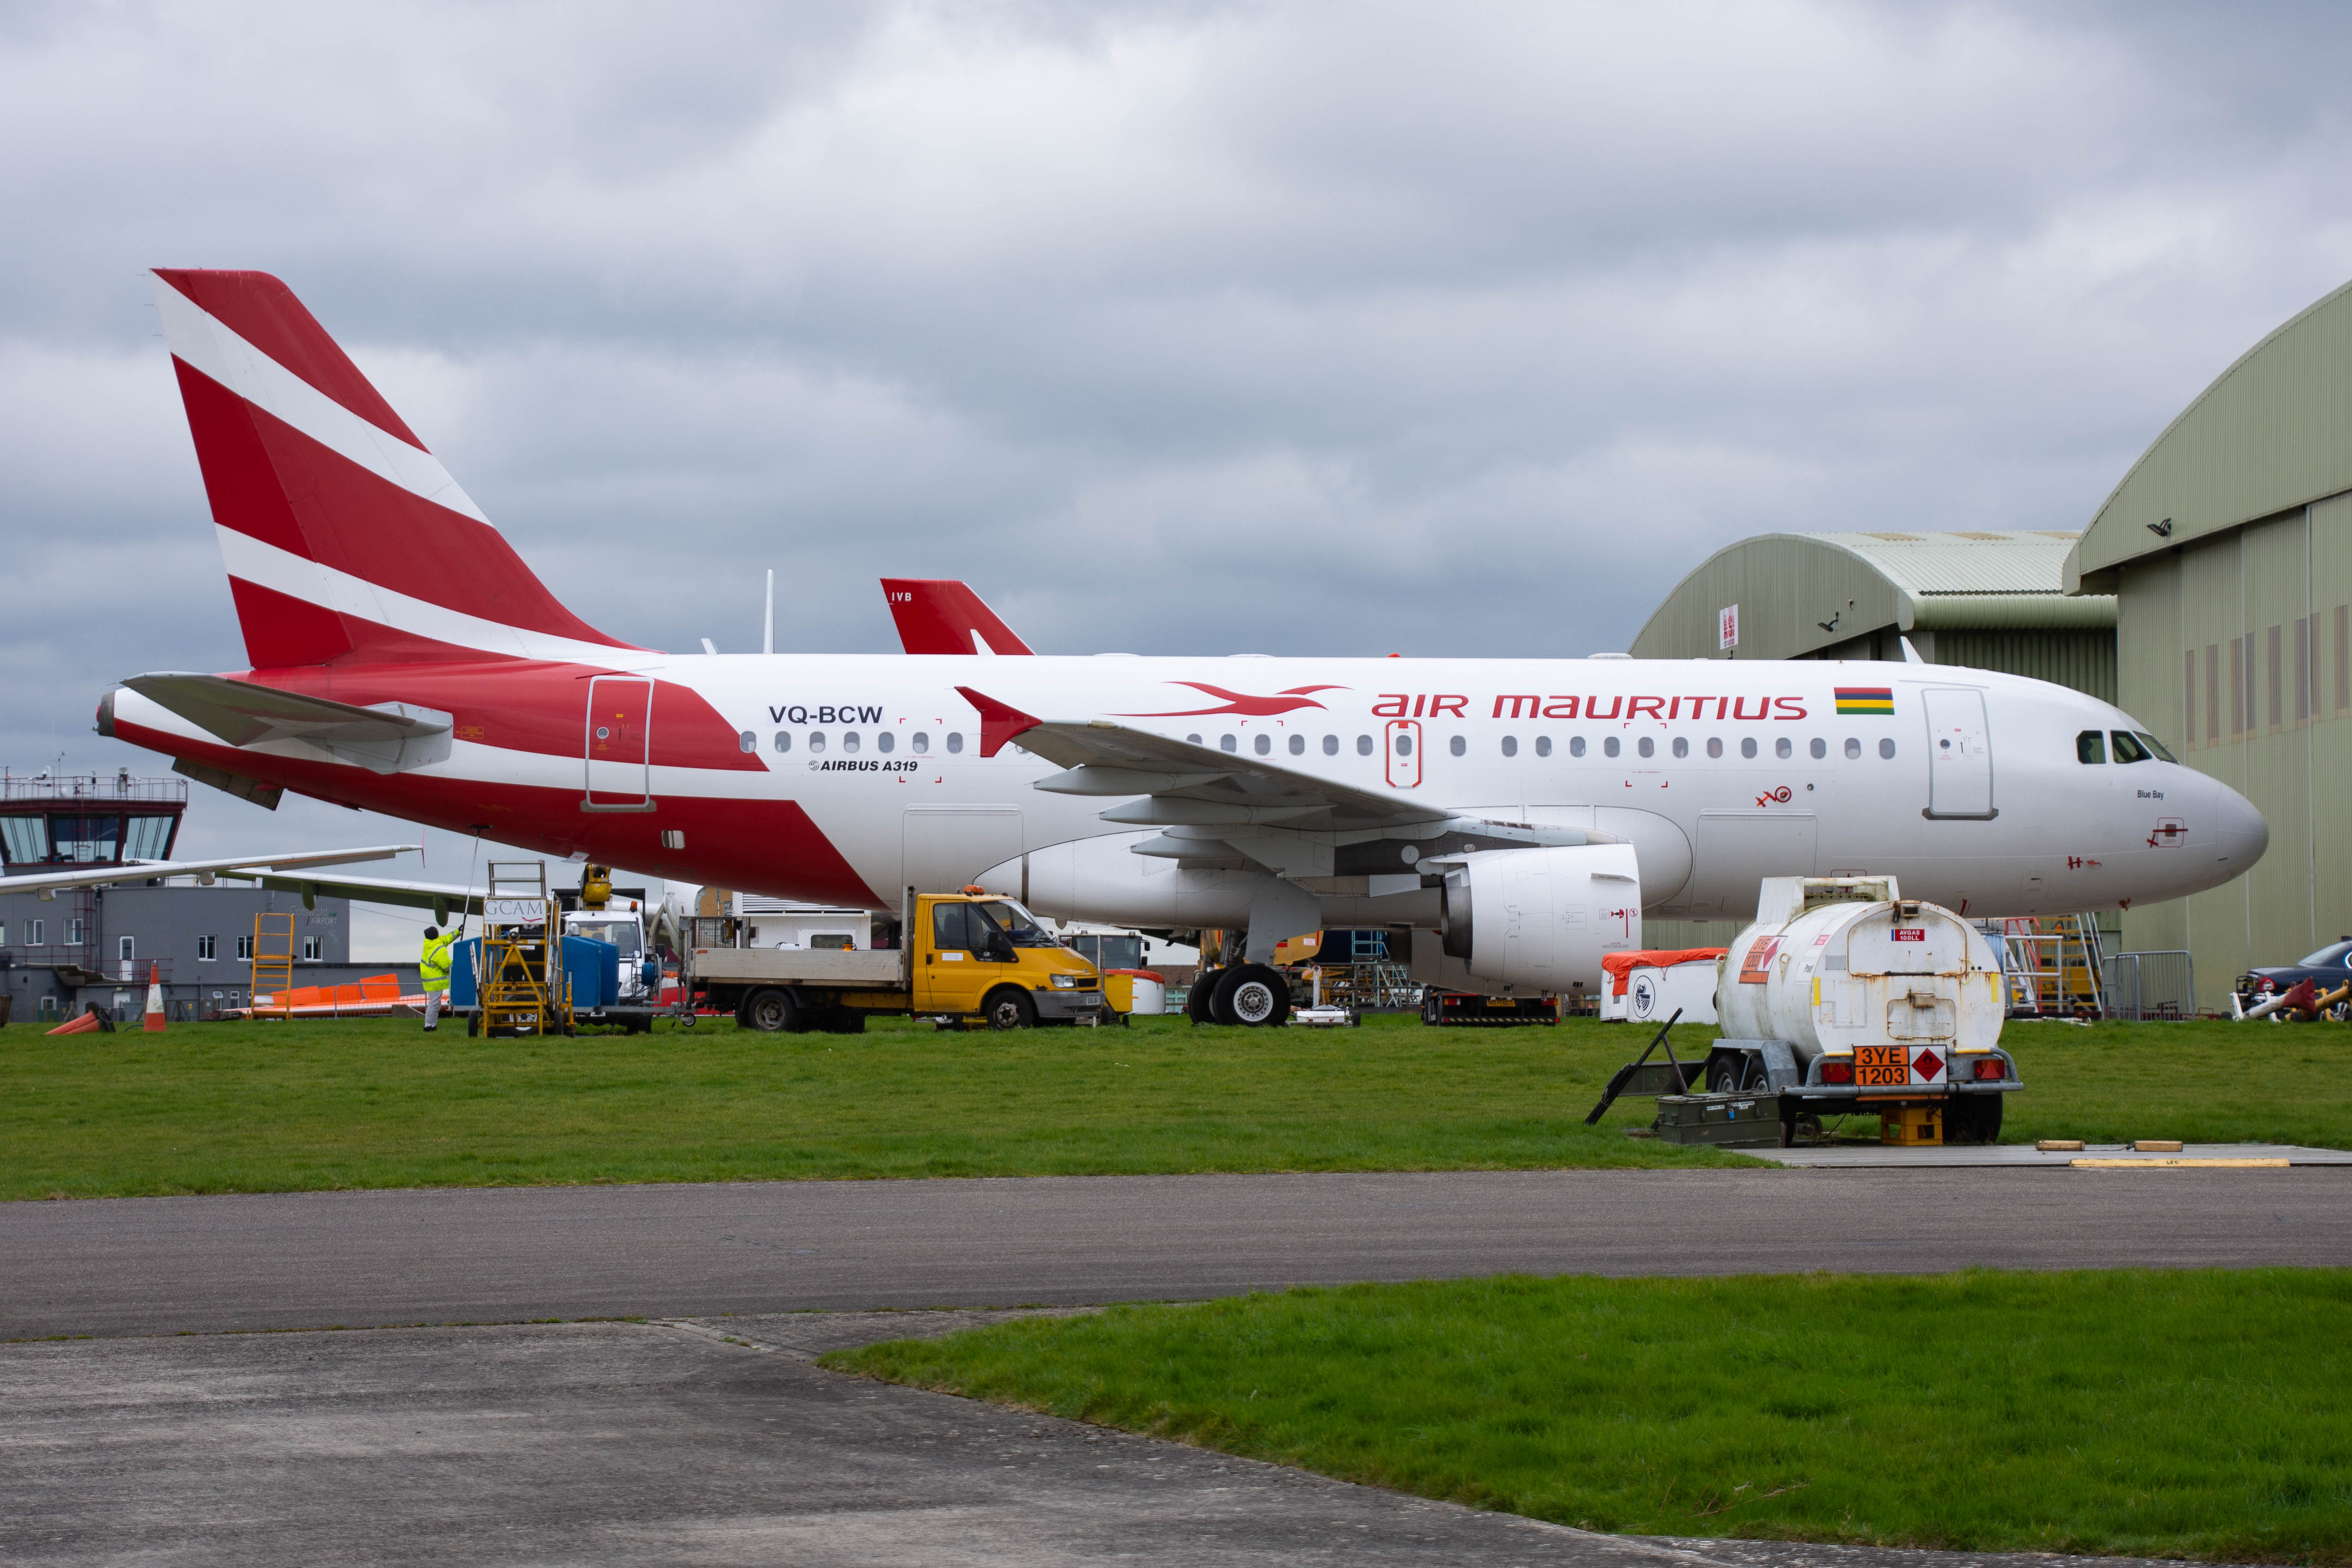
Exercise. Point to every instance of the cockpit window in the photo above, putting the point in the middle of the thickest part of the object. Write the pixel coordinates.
(2129, 749)
(2155, 746)
(2091, 746)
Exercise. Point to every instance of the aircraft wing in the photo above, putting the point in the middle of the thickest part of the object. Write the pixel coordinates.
(441, 897)
(140, 870)
(1185, 784)
(938, 615)
(387, 738)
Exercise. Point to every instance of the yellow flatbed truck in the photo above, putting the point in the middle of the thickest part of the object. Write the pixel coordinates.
(967, 958)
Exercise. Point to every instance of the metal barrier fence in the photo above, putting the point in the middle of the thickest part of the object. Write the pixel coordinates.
(2144, 987)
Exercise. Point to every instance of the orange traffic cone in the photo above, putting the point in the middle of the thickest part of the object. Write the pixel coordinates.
(81, 1025)
(154, 1000)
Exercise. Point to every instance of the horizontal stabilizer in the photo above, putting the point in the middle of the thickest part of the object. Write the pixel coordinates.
(441, 897)
(143, 870)
(388, 738)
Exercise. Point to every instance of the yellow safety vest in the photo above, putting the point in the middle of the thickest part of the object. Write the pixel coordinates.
(434, 967)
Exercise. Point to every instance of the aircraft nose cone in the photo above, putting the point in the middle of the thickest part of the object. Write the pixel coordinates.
(2240, 833)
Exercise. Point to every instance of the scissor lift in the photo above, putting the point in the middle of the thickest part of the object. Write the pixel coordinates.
(521, 989)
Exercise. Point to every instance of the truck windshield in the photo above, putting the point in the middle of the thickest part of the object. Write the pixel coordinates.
(623, 934)
(1014, 923)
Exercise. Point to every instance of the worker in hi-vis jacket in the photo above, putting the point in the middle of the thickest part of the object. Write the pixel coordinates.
(434, 968)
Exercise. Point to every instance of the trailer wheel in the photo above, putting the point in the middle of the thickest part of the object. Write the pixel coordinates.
(1009, 1008)
(770, 1011)
(1973, 1118)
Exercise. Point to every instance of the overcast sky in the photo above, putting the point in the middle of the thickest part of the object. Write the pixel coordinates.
(1285, 329)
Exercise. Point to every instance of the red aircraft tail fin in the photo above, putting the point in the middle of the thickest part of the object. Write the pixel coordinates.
(938, 615)
(345, 539)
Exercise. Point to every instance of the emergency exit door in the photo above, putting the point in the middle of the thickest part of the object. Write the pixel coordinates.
(1960, 755)
(619, 744)
(1403, 743)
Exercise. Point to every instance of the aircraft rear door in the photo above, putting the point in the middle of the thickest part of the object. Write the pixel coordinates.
(619, 744)
(1960, 755)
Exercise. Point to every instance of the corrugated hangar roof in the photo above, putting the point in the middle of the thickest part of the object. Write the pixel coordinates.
(1799, 593)
(2014, 560)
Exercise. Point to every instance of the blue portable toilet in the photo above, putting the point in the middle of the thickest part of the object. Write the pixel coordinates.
(592, 968)
(465, 960)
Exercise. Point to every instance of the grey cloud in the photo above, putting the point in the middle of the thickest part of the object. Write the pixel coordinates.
(1173, 328)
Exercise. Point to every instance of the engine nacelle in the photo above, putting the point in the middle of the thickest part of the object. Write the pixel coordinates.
(1542, 918)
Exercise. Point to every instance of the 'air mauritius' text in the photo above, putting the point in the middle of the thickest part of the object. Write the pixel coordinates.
(1441, 705)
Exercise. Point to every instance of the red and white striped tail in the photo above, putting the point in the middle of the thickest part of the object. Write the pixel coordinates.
(345, 540)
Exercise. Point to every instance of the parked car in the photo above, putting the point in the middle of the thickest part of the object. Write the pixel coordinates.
(2328, 968)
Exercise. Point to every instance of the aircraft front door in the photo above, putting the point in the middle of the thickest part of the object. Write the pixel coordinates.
(1401, 743)
(1960, 755)
(619, 744)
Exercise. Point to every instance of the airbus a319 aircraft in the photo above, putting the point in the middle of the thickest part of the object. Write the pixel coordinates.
(1523, 814)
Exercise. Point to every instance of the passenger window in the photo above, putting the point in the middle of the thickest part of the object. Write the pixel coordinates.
(1781, 749)
(1747, 748)
(849, 740)
(2129, 749)
(1227, 743)
(783, 741)
(1714, 745)
(955, 741)
(1363, 745)
(747, 741)
(1821, 748)
(1404, 746)
(2155, 747)
(1682, 745)
(1543, 745)
(1456, 745)
(1510, 745)
(1576, 745)
(816, 740)
(1886, 750)
(1297, 745)
(1609, 747)
(1646, 746)
(1192, 739)
(2091, 746)
(885, 741)
(1330, 745)
(921, 743)
(1852, 747)
(1265, 744)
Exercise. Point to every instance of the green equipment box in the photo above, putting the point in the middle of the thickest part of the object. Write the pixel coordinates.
(1720, 1121)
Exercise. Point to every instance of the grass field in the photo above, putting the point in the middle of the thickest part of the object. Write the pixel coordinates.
(2205, 1414)
(277, 1107)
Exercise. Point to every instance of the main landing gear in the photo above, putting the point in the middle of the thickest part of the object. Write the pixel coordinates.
(1250, 994)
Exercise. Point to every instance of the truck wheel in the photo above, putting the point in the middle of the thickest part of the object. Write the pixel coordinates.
(770, 1010)
(1007, 1008)
(1973, 1118)
(1251, 996)
(1726, 1073)
(1204, 989)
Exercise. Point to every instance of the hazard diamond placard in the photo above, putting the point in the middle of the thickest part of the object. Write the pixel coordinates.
(1926, 1067)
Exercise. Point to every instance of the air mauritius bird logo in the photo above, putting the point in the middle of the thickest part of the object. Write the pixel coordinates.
(1287, 702)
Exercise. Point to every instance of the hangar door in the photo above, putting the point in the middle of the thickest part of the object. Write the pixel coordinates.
(1960, 753)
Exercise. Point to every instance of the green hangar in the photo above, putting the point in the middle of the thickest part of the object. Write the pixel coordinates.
(2227, 551)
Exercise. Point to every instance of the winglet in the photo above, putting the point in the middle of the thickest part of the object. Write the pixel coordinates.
(943, 615)
(998, 723)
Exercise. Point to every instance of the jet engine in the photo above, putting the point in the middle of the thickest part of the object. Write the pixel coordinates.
(1542, 918)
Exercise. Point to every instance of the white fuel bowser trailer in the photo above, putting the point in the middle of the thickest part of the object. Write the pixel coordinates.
(1846, 998)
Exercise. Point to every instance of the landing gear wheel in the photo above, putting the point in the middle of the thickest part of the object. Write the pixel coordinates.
(1007, 1008)
(1973, 1118)
(771, 1012)
(1204, 989)
(1252, 995)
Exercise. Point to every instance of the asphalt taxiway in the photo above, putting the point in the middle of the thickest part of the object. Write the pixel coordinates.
(158, 1265)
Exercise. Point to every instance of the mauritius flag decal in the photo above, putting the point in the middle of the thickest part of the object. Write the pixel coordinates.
(1865, 699)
